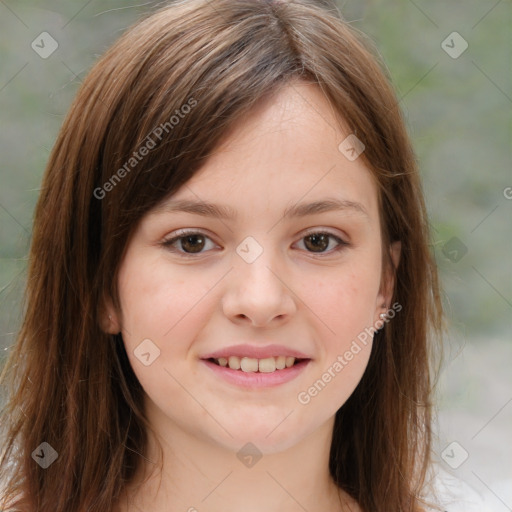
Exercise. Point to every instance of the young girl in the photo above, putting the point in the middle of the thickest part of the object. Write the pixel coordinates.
(230, 294)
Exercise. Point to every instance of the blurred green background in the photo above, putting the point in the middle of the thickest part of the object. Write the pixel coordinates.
(458, 112)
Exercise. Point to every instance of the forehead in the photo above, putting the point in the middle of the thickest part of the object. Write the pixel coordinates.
(286, 151)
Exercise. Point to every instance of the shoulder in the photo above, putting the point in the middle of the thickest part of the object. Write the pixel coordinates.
(452, 494)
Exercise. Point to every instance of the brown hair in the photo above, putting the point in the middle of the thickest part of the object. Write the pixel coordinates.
(219, 58)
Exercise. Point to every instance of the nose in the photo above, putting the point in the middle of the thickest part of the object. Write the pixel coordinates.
(258, 293)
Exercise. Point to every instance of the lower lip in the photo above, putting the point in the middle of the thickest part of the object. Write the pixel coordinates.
(258, 380)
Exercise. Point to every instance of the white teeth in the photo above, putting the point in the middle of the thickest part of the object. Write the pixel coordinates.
(280, 362)
(234, 362)
(289, 361)
(251, 364)
(267, 365)
(248, 364)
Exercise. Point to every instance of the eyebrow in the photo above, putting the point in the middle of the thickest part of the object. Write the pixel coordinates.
(225, 212)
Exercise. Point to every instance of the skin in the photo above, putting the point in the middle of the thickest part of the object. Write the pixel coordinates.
(317, 302)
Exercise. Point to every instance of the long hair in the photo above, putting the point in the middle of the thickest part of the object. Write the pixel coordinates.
(176, 83)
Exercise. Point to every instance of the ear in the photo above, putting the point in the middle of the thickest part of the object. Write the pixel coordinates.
(388, 279)
(109, 318)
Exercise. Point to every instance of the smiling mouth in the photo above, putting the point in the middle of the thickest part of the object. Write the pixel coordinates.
(252, 365)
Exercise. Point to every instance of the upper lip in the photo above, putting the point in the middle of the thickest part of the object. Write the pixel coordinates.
(256, 352)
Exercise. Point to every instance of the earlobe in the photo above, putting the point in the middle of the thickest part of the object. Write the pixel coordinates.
(389, 277)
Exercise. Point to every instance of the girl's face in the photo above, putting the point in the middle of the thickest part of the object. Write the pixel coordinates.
(292, 270)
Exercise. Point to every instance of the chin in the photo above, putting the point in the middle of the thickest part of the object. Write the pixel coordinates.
(267, 436)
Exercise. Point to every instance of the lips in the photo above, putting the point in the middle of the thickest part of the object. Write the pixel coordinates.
(252, 379)
(256, 366)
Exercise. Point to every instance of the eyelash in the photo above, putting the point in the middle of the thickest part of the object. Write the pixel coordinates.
(184, 233)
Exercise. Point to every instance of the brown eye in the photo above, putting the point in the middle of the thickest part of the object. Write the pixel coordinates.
(188, 243)
(192, 243)
(319, 242)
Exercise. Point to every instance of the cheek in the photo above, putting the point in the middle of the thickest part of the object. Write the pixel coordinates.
(345, 305)
(158, 303)
(345, 300)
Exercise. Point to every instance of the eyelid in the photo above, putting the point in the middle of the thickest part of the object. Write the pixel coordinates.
(326, 231)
